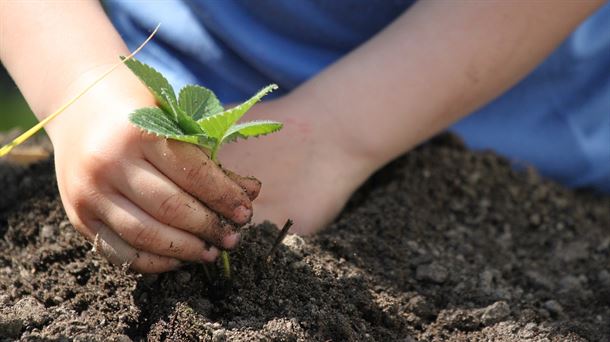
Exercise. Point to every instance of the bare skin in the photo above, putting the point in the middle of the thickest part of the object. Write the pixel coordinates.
(435, 64)
(156, 203)
(142, 200)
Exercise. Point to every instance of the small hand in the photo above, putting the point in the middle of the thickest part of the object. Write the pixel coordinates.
(307, 171)
(143, 200)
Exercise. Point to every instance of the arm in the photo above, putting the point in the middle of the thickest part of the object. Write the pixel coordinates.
(436, 63)
(48, 46)
(140, 200)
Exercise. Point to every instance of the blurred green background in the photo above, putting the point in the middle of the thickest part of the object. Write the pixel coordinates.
(14, 111)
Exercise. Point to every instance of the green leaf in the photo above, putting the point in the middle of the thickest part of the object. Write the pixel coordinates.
(198, 102)
(216, 125)
(156, 121)
(251, 129)
(153, 79)
(186, 123)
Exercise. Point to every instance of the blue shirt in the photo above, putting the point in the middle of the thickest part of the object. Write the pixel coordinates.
(557, 118)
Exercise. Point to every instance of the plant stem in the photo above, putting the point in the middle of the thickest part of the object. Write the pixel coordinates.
(214, 154)
(226, 264)
(224, 255)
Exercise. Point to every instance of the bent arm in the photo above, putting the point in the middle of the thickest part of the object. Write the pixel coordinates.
(436, 63)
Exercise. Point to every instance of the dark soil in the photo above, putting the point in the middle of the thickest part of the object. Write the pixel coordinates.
(442, 245)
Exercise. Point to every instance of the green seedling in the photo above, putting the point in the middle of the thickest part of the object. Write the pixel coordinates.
(196, 116)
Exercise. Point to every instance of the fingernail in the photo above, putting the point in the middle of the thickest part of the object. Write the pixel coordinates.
(211, 254)
(230, 241)
(242, 214)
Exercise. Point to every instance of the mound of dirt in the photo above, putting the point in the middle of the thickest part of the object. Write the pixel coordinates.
(444, 244)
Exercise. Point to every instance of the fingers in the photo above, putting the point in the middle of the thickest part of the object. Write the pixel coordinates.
(144, 233)
(250, 185)
(168, 204)
(191, 169)
(112, 247)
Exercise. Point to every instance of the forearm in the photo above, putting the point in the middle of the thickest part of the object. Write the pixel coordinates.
(435, 64)
(49, 46)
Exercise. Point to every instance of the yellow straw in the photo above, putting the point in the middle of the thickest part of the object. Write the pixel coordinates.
(30, 132)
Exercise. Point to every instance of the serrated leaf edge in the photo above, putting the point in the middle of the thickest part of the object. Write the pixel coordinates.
(244, 106)
(234, 130)
(158, 96)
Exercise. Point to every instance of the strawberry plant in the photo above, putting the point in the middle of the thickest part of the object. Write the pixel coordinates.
(196, 116)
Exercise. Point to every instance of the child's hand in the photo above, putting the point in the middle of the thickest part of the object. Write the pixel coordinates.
(308, 170)
(140, 199)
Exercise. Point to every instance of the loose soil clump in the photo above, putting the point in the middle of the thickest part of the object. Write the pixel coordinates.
(443, 244)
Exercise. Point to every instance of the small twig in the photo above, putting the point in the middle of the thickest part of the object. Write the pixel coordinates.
(279, 239)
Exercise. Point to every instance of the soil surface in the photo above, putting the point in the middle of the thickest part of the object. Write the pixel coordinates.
(444, 244)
